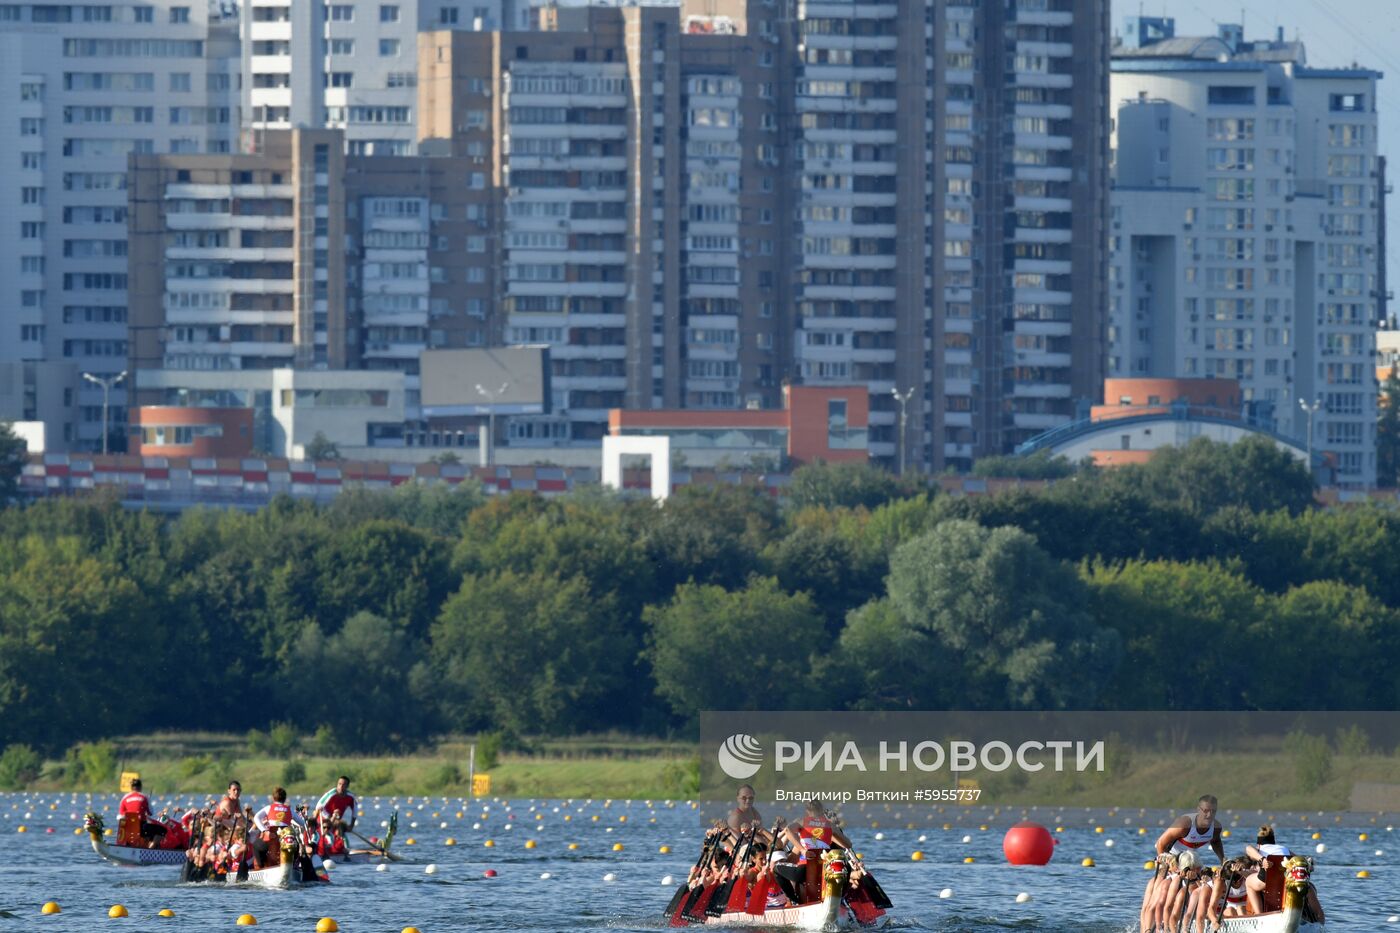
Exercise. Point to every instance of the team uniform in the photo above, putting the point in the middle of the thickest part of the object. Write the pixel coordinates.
(1194, 838)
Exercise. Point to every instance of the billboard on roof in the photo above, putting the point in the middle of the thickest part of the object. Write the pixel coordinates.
(499, 381)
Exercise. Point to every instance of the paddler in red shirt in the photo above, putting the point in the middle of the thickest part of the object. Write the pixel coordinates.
(811, 837)
(138, 804)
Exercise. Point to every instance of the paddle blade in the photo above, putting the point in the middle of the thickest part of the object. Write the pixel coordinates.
(696, 911)
(675, 903)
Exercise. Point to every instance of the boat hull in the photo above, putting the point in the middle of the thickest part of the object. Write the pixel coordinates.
(824, 915)
(1278, 921)
(132, 855)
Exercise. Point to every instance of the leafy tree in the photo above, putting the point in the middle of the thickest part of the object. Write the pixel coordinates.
(439, 508)
(445, 458)
(849, 484)
(1330, 645)
(1205, 476)
(1006, 619)
(358, 681)
(322, 448)
(384, 567)
(709, 534)
(20, 765)
(750, 648)
(1388, 431)
(1039, 465)
(894, 664)
(826, 565)
(1186, 628)
(530, 653)
(13, 452)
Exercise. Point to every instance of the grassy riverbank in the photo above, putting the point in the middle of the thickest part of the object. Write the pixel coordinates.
(629, 767)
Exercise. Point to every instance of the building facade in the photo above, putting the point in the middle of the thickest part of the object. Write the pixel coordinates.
(1246, 229)
(82, 87)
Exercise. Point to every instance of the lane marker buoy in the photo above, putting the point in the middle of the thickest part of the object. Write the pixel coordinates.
(117, 910)
(50, 907)
(246, 920)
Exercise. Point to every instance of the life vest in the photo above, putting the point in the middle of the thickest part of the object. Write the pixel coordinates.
(330, 845)
(279, 814)
(134, 804)
(815, 833)
(1194, 839)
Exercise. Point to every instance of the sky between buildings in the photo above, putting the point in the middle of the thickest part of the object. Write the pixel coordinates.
(1336, 32)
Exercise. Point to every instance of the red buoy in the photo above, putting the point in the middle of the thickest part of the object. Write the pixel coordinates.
(1028, 843)
(489, 873)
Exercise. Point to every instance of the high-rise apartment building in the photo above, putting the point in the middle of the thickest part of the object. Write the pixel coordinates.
(346, 65)
(1246, 226)
(301, 257)
(82, 87)
(700, 205)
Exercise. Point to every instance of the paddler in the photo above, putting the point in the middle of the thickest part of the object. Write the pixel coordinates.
(815, 834)
(745, 815)
(1194, 831)
(138, 805)
(335, 816)
(230, 806)
(269, 821)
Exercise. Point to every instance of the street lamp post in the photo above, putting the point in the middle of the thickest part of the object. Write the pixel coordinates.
(487, 442)
(903, 401)
(1310, 410)
(106, 382)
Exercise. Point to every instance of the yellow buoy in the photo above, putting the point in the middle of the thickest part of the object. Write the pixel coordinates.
(1087, 863)
(1098, 829)
(489, 844)
(617, 847)
(1317, 835)
(23, 829)
(165, 912)
(117, 911)
(246, 920)
(529, 843)
(1363, 873)
(410, 930)
(664, 850)
(622, 818)
(51, 907)
(1142, 831)
(327, 925)
(449, 841)
(410, 841)
(573, 846)
(1224, 834)
(1363, 837)
(916, 856)
(969, 860)
(1150, 865)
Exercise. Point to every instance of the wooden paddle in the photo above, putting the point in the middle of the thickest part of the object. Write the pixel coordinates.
(684, 888)
(720, 900)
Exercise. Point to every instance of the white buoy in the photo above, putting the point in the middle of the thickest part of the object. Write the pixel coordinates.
(476, 826)
(1380, 852)
(329, 863)
(430, 870)
(879, 836)
(1108, 843)
(610, 877)
(1321, 848)
(923, 839)
(1023, 898)
(545, 876)
(382, 866)
(946, 893)
(1393, 918)
(967, 838)
(442, 825)
(667, 881)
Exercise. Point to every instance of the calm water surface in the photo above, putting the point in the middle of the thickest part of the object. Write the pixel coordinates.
(36, 866)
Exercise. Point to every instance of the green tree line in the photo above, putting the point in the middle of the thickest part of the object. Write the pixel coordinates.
(1206, 578)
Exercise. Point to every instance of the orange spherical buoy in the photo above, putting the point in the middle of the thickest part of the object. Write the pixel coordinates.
(1028, 843)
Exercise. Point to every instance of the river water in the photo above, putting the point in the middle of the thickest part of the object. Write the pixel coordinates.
(38, 865)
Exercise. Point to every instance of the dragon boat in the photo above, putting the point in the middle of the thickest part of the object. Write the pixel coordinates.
(1291, 914)
(845, 902)
(129, 848)
(296, 865)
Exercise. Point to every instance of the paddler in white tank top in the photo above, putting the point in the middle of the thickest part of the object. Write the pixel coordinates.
(1195, 831)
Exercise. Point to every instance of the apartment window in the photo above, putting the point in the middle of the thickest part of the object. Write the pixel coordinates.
(342, 46)
(343, 13)
(145, 14)
(179, 81)
(31, 126)
(341, 79)
(448, 16)
(388, 13)
(388, 48)
(179, 14)
(32, 195)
